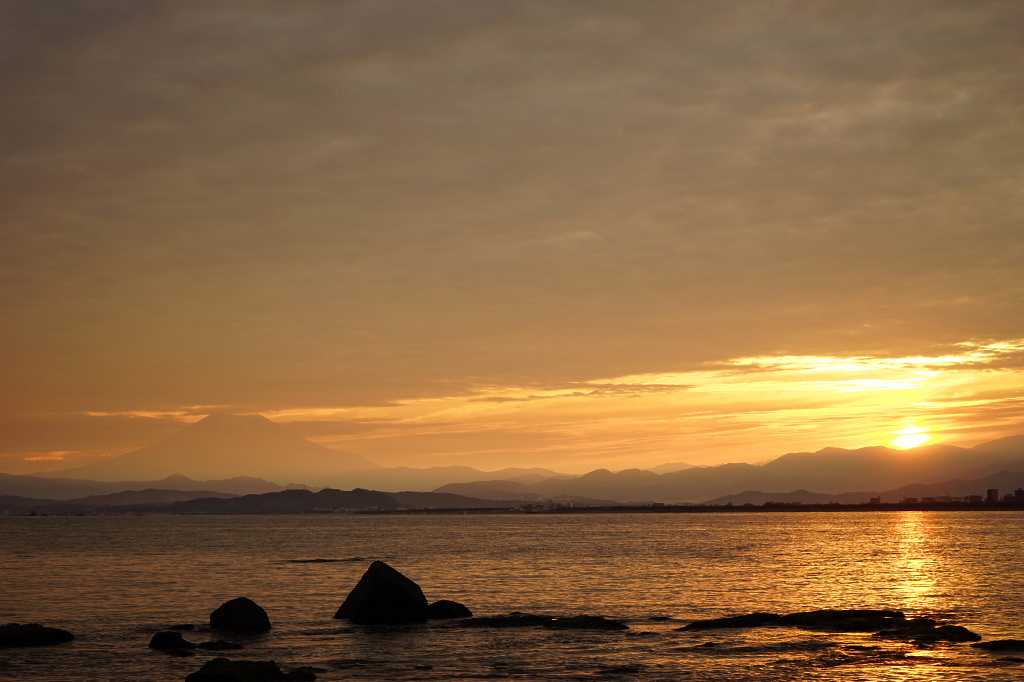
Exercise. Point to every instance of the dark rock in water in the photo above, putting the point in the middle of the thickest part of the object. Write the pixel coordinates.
(750, 620)
(219, 645)
(446, 608)
(843, 620)
(1001, 645)
(953, 633)
(31, 634)
(226, 670)
(384, 596)
(183, 626)
(925, 631)
(303, 674)
(240, 615)
(522, 620)
(170, 640)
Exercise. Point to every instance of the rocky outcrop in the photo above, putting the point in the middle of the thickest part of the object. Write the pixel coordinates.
(843, 620)
(31, 634)
(749, 620)
(169, 639)
(1001, 645)
(226, 670)
(445, 608)
(240, 615)
(383, 596)
(926, 631)
(521, 620)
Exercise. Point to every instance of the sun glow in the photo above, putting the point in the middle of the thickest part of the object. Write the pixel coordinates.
(910, 437)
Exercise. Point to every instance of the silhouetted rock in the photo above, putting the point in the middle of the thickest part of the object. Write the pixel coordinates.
(384, 596)
(219, 645)
(924, 630)
(303, 674)
(446, 608)
(1001, 645)
(749, 620)
(31, 634)
(225, 670)
(843, 620)
(522, 620)
(170, 640)
(240, 615)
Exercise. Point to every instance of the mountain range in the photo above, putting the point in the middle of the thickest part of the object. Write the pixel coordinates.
(246, 454)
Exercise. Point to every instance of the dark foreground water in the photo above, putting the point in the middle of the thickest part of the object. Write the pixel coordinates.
(114, 581)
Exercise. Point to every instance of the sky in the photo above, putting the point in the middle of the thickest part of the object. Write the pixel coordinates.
(570, 234)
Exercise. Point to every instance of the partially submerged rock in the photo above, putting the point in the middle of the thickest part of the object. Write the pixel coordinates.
(383, 596)
(1001, 645)
(521, 620)
(826, 620)
(31, 634)
(843, 620)
(748, 620)
(240, 615)
(926, 631)
(169, 639)
(226, 670)
(446, 608)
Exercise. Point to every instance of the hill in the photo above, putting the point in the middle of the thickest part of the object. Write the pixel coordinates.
(224, 446)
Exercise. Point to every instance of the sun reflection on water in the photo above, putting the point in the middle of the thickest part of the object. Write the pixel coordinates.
(915, 563)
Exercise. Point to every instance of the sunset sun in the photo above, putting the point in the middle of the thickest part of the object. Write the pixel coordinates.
(910, 437)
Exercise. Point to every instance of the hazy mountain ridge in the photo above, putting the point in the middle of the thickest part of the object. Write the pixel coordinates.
(71, 488)
(223, 446)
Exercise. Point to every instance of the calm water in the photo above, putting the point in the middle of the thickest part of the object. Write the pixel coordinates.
(113, 581)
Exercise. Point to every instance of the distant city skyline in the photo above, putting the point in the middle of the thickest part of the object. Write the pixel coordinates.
(558, 234)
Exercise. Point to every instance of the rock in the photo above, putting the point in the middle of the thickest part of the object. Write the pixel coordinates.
(953, 633)
(226, 670)
(521, 620)
(924, 631)
(170, 640)
(31, 634)
(384, 596)
(1001, 645)
(446, 608)
(750, 620)
(219, 645)
(303, 674)
(844, 620)
(240, 615)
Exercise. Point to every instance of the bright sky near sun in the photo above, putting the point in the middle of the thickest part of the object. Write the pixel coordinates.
(512, 233)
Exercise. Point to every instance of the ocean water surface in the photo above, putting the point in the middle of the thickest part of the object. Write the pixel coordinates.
(114, 581)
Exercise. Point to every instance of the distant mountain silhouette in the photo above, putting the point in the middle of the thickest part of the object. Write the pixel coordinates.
(71, 488)
(223, 446)
(670, 467)
(409, 478)
(827, 471)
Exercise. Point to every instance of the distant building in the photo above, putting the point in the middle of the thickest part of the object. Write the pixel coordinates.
(1018, 494)
(992, 495)
(875, 500)
(974, 498)
(909, 500)
(928, 499)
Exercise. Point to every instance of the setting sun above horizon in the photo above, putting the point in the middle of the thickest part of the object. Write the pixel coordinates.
(910, 437)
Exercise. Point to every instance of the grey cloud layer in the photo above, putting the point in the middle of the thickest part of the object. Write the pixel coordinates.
(269, 204)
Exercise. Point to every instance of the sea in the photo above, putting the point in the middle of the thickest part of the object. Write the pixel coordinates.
(114, 581)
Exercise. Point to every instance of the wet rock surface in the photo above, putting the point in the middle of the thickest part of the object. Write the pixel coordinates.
(31, 634)
(522, 620)
(240, 615)
(383, 596)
